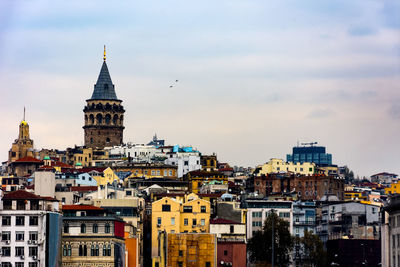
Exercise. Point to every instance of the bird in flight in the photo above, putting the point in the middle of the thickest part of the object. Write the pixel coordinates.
(172, 85)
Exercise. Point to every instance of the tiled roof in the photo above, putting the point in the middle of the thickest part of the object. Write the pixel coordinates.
(83, 188)
(80, 207)
(222, 221)
(104, 88)
(28, 159)
(22, 194)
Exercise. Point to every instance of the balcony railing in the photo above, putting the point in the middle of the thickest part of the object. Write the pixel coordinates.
(304, 223)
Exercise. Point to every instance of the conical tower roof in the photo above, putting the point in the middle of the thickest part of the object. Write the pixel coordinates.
(104, 88)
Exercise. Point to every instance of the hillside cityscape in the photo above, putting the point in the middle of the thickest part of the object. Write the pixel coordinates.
(114, 203)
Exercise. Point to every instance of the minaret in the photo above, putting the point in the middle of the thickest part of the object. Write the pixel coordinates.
(104, 114)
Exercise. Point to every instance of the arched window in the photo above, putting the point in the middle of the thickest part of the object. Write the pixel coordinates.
(92, 251)
(108, 119)
(121, 120)
(66, 228)
(99, 118)
(83, 228)
(69, 250)
(115, 119)
(97, 250)
(95, 228)
(107, 228)
(91, 140)
(80, 250)
(107, 250)
(91, 119)
(65, 251)
(108, 140)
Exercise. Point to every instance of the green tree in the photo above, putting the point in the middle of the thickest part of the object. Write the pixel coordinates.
(260, 245)
(312, 250)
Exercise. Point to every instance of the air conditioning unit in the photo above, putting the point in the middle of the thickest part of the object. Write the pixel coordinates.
(7, 242)
(34, 257)
(34, 242)
(29, 241)
(22, 257)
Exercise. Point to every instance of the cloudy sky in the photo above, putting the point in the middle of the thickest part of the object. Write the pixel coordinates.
(255, 77)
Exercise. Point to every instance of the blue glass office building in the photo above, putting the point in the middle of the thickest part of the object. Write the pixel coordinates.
(316, 154)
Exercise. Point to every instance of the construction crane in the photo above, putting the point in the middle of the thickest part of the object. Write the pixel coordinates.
(309, 144)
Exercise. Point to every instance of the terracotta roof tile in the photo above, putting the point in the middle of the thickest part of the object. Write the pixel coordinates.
(28, 159)
(80, 207)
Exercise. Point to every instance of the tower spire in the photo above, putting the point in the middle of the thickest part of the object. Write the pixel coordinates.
(24, 114)
(104, 56)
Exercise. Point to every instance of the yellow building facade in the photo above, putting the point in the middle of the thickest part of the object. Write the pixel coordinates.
(279, 165)
(393, 189)
(149, 171)
(188, 215)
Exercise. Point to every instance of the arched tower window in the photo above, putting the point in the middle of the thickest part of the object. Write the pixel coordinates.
(99, 118)
(121, 120)
(107, 119)
(115, 119)
(86, 119)
(95, 228)
(91, 119)
(107, 228)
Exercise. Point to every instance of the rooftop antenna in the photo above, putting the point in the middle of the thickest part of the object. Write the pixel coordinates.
(104, 56)
(24, 114)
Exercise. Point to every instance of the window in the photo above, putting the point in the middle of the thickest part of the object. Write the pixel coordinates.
(66, 228)
(33, 220)
(20, 220)
(33, 264)
(82, 250)
(194, 221)
(19, 251)
(153, 172)
(180, 264)
(83, 228)
(257, 214)
(203, 222)
(186, 162)
(6, 251)
(19, 264)
(107, 228)
(95, 228)
(187, 209)
(173, 221)
(226, 252)
(208, 264)
(170, 173)
(6, 264)
(159, 220)
(19, 236)
(33, 251)
(6, 220)
(185, 221)
(166, 207)
(65, 250)
(107, 250)
(128, 193)
(284, 214)
(257, 223)
(203, 209)
(94, 250)
(232, 229)
(5, 236)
